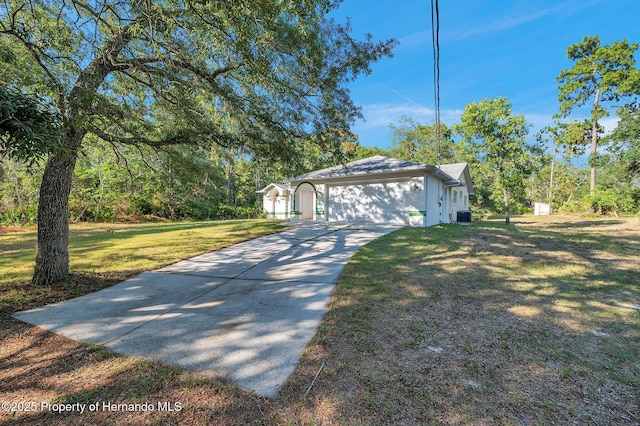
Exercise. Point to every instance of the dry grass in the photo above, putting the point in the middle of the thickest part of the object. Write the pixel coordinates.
(534, 323)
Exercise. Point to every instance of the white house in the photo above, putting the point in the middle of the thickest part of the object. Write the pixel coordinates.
(376, 189)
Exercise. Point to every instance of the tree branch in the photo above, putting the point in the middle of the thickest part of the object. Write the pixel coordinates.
(133, 140)
(177, 139)
(151, 86)
(209, 77)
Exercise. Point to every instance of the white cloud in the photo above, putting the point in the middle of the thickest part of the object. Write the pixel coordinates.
(415, 40)
(503, 24)
(381, 115)
(506, 22)
(609, 124)
(378, 115)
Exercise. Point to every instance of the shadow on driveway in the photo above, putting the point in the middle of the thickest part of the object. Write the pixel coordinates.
(245, 312)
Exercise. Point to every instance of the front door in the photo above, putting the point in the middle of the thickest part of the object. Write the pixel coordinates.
(306, 203)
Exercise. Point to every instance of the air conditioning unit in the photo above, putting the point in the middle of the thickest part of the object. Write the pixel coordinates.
(464, 216)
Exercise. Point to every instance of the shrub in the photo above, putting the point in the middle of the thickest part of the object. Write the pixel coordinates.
(609, 201)
(479, 213)
(27, 215)
(139, 206)
(234, 212)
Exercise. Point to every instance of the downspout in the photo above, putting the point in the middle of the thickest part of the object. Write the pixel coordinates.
(440, 200)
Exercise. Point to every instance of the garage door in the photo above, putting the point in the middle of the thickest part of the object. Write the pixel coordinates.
(375, 202)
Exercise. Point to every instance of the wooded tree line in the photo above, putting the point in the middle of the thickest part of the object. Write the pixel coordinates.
(186, 182)
(185, 109)
(512, 168)
(180, 182)
(128, 182)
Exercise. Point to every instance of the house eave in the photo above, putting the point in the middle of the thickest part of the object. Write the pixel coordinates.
(271, 186)
(453, 183)
(378, 176)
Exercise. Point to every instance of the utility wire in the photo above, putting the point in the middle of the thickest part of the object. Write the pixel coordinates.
(435, 42)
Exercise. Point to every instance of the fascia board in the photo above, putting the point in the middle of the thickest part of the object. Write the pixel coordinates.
(378, 177)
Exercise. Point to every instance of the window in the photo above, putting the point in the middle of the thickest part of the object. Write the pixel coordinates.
(455, 196)
(466, 200)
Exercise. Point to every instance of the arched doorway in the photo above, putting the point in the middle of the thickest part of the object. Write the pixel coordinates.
(305, 199)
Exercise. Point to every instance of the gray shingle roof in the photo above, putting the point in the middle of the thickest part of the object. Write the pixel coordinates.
(453, 170)
(368, 166)
(279, 186)
(456, 171)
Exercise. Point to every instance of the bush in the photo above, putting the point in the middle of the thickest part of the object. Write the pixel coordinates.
(609, 201)
(195, 210)
(572, 206)
(139, 206)
(234, 212)
(85, 212)
(20, 216)
(479, 213)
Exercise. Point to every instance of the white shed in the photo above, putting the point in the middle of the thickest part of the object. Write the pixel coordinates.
(380, 189)
(541, 209)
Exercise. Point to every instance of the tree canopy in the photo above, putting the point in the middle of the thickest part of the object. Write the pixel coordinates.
(495, 137)
(28, 129)
(626, 141)
(265, 76)
(417, 142)
(600, 74)
(256, 74)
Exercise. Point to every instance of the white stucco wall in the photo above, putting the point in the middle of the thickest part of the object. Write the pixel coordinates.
(458, 197)
(276, 205)
(459, 200)
(321, 201)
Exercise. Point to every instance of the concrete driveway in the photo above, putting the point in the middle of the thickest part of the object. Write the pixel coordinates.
(245, 312)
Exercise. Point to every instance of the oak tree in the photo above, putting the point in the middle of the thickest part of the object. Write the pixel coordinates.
(495, 137)
(263, 75)
(29, 130)
(421, 143)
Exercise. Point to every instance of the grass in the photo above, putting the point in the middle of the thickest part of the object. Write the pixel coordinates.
(532, 323)
(104, 254)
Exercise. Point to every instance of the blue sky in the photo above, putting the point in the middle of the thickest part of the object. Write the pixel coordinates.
(488, 48)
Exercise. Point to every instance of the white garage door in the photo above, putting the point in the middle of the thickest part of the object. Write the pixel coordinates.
(374, 202)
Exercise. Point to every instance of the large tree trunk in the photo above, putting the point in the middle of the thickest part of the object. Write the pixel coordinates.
(553, 163)
(52, 256)
(594, 153)
(594, 144)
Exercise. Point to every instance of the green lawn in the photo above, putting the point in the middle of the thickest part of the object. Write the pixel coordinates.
(534, 323)
(102, 254)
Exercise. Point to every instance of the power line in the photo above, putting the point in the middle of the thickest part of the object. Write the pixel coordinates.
(435, 42)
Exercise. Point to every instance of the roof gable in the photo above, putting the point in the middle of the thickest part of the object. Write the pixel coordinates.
(453, 170)
(378, 164)
(459, 172)
(280, 187)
